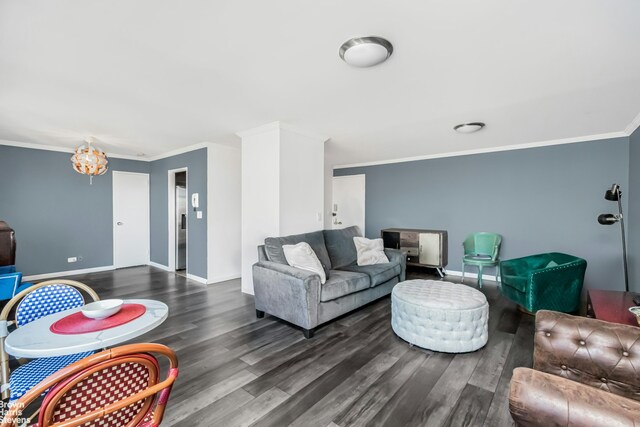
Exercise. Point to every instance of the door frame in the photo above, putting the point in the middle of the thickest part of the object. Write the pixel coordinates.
(171, 211)
(364, 196)
(113, 216)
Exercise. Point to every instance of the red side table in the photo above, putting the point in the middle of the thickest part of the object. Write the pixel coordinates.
(611, 306)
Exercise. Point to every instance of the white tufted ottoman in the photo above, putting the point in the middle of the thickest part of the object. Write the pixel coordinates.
(440, 316)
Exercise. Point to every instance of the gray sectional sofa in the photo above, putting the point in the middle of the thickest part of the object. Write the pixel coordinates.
(297, 296)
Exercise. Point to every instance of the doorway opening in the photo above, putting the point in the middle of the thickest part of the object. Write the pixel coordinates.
(178, 221)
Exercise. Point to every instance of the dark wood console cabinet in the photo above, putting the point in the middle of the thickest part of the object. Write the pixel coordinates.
(424, 248)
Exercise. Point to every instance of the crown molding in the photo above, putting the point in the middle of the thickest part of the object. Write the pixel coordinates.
(490, 149)
(178, 151)
(303, 132)
(633, 126)
(61, 149)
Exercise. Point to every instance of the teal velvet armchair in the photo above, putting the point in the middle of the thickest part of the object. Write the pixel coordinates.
(551, 281)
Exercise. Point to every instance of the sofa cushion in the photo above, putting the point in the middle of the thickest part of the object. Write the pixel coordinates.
(378, 273)
(302, 256)
(343, 283)
(340, 246)
(370, 251)
(273, 247)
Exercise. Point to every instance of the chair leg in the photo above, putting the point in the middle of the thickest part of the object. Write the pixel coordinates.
(480, 276)
(259, 314)
(462, 280)
(497, 274)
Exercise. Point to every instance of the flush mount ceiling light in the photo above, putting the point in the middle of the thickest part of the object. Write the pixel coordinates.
(365, 51)
(469, 127)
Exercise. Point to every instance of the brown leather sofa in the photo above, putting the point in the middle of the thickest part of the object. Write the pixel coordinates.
(586, 372)
(7, 245)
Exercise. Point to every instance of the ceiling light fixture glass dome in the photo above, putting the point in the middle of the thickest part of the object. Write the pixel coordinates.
(469, 127)
(365, 51)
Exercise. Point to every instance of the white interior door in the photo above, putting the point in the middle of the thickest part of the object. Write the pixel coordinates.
(348, 201)
(130, 219)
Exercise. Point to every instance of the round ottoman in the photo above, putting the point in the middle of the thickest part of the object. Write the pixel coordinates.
(440, 316)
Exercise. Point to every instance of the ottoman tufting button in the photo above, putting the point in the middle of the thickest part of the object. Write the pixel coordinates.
(582, 342)
(625, 353)
(564, 367)
(604, 380)
(548, 334)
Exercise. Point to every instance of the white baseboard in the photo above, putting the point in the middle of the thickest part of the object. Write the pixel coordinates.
(196, 278)
(491, 277)
(219, 279)
(68, 273)
(160, 266)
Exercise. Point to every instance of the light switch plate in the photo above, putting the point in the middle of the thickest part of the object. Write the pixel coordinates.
(199, 214)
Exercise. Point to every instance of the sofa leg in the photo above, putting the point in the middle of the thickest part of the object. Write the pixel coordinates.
(259, 314)
(308, 333)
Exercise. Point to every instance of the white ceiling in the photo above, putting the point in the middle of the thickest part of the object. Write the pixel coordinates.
(150, 76)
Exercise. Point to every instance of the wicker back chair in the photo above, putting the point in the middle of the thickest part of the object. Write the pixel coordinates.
(42, 299)
(114, 388)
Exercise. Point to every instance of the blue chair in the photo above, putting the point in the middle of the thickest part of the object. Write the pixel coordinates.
(11, 282)
(40, 300)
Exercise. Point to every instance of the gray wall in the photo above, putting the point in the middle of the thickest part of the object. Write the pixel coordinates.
(196, 161)
(633, 216)
(540, 199)
(55, 212)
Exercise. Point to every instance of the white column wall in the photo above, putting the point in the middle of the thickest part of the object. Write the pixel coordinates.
(301, 183)
(282, 188)
(224, 209)
(260, 195)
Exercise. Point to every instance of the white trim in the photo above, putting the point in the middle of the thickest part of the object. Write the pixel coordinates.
(196, 278)
(303, 132)
(160, 266)
(587, 138)
(177, 151)
(223, 278)
(69, 273)
(61, 149)
(171, 216)
(113, 217)
(631, 127)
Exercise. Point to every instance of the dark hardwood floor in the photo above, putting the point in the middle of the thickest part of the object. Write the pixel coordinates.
(236, 370)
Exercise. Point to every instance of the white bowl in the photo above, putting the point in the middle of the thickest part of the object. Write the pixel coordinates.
(102, 309)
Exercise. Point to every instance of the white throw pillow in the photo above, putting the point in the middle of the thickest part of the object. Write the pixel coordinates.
(303, 257)
(370, 251)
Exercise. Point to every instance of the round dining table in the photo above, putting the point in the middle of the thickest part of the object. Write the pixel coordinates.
(35, 339)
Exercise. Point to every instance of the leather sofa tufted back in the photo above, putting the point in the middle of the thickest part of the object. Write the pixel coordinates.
(596, 353)
(7, 245)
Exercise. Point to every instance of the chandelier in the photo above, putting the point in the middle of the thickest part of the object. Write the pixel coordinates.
(89, 160)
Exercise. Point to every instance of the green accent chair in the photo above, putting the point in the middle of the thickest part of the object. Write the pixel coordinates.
(481, 250)
(551, 281)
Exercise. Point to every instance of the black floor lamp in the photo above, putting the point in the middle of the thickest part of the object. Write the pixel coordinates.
(615, 195)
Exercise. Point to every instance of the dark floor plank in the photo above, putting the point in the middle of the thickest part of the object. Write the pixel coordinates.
(471, 408)
(521, 354)
(442, 398)
(489, 369)
(300, 402)
(367, 406)
(407, 403)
